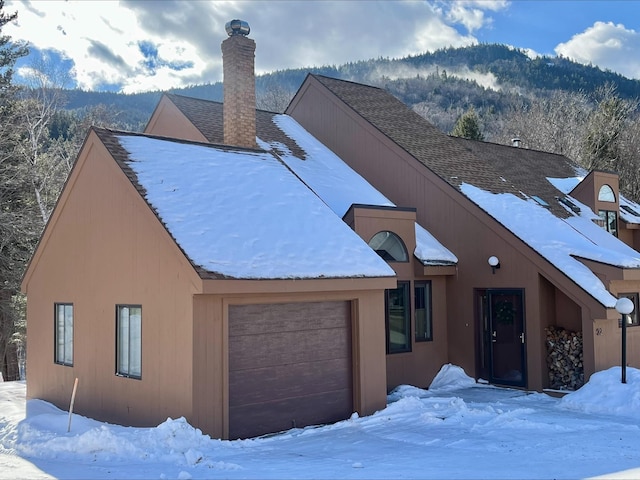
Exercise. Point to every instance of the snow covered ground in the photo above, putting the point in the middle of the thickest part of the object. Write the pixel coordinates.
(456, 429)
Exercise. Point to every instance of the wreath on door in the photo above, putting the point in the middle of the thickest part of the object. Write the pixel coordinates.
(504, 312)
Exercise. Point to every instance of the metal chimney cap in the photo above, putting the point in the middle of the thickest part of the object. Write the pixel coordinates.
(237, 27)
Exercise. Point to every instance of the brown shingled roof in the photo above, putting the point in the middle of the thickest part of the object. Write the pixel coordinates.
(206, 116)
(527, 170)
(421, 139)
(492, 167)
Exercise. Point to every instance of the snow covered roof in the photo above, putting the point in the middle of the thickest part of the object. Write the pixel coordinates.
(241, 213)
(431, 252)
(512, 184)
(337, 184)
(629, 211)
(544, 216)
(562, 241)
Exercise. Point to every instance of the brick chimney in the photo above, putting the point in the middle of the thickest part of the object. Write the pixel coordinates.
(239, 86)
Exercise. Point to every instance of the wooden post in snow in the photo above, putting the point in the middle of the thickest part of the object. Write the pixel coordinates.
(73, 399)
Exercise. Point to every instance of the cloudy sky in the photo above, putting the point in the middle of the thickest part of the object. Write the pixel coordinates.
(141, 45)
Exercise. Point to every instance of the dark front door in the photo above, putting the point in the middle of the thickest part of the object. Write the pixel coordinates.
(502, 349)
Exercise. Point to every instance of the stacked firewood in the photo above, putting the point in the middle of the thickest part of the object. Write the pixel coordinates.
(564, 359)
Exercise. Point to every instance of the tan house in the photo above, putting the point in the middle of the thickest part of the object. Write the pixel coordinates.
(539, 242)
(254, 271)
(234, 276)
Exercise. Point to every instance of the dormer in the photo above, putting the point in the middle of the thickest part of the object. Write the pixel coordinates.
(390, 231)
(600, 191)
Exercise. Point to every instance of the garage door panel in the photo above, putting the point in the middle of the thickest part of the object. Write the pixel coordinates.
(288, 364)
(287, 317)
(294, 380)
(287, 347)
(276, 416)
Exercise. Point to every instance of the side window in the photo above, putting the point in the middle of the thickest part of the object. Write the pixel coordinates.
(398, 314)
(129, 341)
(422, 300)
(63, 334)
(633, 319)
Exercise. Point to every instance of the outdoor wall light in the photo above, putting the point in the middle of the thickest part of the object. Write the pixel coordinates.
(494, 262)
(624, 306)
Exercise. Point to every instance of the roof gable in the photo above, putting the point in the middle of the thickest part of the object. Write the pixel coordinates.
(240, 213)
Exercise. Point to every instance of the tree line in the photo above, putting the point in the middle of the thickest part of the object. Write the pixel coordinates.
(39, 142)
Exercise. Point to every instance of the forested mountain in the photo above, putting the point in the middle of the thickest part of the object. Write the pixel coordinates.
(439, 85)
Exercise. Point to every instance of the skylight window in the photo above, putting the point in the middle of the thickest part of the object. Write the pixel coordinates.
(630, 210)
(568, 203)
(540, 201)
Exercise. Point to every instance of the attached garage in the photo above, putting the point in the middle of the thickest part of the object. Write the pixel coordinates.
(290, 365)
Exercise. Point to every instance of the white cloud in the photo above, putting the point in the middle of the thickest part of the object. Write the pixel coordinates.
(104, 39)
(608, 45)
(471, 13)
(471, 18)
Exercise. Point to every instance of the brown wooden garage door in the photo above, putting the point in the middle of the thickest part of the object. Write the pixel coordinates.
(289, 366)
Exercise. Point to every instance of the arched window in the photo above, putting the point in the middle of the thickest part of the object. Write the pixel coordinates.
(606, 194)
(389, 246)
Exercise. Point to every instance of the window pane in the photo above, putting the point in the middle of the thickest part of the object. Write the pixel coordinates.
(612, 223)
(606, 194)
(123, 340)
(423, 312)
(135, 324)
(398, 318)
(60, 333)
(389, 246)
(68, 334)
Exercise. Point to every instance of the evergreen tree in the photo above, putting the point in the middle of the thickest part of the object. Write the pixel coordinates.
(468, 126)
(9, 54)
(16, 234)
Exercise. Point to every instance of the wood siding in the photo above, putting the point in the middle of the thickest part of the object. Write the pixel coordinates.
(104, 247)
(469, 232)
